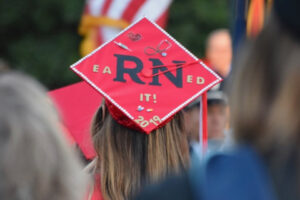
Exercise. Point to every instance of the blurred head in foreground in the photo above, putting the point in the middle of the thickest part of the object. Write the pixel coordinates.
(35, 161)
(265, 100)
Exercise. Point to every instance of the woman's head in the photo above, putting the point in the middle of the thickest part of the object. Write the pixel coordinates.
(129, 159)
(266, 89)
(265, 101)
(36, 162)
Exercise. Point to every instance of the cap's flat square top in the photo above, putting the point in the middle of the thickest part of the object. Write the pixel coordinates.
(146, 73)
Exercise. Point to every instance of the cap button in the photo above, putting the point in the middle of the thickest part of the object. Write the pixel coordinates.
(147, 72)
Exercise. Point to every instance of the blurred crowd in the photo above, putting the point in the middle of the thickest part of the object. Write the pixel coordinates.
(253, 127)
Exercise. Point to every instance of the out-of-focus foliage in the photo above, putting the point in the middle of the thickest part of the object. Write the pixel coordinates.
(41, 38)
(191, 21)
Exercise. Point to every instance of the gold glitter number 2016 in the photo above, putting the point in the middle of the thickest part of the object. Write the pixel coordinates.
(144, 123)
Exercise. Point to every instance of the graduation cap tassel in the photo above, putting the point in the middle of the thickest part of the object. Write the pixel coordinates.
(203, 125)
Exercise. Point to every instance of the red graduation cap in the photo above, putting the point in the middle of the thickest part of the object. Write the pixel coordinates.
(77, 103)
(145, 75)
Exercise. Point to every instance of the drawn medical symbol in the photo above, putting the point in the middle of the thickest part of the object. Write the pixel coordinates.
(163, 46)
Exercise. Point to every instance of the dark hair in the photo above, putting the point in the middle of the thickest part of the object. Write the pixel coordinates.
(265, 104)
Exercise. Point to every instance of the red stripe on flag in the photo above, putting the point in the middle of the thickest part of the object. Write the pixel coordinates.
(86, 10)
(162, 20)
(99, 39)
(105, 7)
(132, 9)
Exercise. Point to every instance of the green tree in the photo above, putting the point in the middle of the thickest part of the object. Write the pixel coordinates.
(191, 21)
(40, 38)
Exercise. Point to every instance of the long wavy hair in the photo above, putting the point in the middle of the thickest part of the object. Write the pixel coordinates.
(265, 103)
(129, 159)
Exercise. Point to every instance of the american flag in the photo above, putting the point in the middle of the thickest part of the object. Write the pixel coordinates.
(103, 19)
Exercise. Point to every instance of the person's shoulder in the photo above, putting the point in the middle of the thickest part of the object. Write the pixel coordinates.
(94, 192)
(175, 188)
(240, 174)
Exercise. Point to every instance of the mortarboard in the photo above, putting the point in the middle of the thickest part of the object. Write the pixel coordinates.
(145, 76)
(77, 104)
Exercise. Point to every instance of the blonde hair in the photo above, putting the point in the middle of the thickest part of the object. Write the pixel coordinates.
(265, 102)
(129, 159)
(36, 162)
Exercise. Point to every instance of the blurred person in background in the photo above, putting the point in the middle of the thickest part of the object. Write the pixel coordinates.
(218, 54)
(36, 163)
(217, 119)
(265, 121)
(191, 117)
(191, 120)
